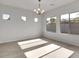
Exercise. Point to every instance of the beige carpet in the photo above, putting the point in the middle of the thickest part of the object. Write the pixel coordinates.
(22, 49)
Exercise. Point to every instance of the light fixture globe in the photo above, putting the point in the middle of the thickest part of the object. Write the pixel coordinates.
(39, 11)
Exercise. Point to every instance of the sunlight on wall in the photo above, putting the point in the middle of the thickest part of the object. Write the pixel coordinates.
(5, 16)
(24, 18)
(35, 19)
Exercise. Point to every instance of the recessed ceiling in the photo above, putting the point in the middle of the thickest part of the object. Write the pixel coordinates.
(31, 4)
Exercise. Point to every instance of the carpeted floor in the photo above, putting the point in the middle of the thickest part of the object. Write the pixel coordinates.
(30, 48)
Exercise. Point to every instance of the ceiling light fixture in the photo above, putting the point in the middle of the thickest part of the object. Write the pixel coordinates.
(39, 11)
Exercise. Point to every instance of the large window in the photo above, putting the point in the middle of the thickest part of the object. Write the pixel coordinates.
(70, 23)
(64, 23)
(51, 24)
(74, 19)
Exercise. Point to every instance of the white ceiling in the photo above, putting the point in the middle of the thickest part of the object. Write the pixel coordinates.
(31, 4)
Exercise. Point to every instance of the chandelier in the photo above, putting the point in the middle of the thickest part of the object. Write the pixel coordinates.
(39, 11)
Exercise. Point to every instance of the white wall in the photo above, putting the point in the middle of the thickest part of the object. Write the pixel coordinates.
(67, 38)
(16, 29)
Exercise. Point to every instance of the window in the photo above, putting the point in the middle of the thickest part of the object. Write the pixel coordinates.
(6, 16)
(51, 24)
(35, 19)
(23, 18)
(70, 23)
(74, 19)
(64, 23)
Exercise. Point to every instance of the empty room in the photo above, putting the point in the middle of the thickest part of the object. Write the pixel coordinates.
(39, 28)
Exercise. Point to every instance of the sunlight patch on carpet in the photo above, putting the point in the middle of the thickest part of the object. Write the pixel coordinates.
(60, 53)
(41, 51)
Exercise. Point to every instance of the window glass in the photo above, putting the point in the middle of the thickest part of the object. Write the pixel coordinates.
(51, 24)
(70, 23)
(65, 23)
(74, 19)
